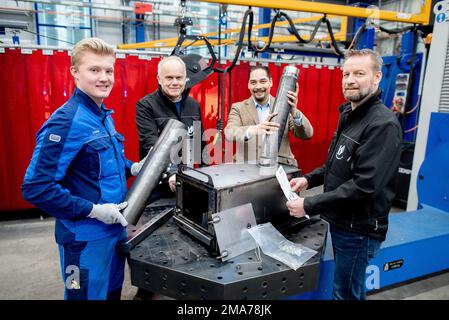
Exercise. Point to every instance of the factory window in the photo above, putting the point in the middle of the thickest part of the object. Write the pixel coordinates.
(61, 25)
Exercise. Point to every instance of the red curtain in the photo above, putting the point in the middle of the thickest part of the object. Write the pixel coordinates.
(36, 83)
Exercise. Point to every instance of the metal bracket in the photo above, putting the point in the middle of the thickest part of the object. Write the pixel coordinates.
(135, 237)
(223, 254)
(250, 266)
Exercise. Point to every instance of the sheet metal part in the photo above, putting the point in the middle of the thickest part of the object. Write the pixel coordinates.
(174, 264)
(231, 231)
(197, 233)
(249, 266)
(150, 174)
(136, 235)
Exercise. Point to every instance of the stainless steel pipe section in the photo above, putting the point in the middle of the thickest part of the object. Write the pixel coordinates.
(167, 145)
(281, 106)
(271, 143)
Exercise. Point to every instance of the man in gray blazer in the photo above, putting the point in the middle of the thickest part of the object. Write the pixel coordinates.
(250, 118)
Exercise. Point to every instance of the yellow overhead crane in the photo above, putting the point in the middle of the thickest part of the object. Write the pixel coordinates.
(336, 9)
(331, 10)
(171, 42)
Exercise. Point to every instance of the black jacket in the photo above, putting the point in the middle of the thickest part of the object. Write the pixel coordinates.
(359, 172)
(153, 112)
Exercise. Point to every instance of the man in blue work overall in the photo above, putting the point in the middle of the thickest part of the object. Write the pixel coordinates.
(358, 176)
(78, 174)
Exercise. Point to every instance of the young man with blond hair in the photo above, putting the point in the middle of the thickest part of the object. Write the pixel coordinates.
(78, 175)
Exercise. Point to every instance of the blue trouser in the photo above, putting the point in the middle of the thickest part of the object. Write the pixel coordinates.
(93, 270)
(352, 253)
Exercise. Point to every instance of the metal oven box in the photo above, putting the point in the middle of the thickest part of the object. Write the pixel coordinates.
(205, 191)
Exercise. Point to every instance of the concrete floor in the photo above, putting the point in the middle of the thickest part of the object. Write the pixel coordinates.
(29, 264)
(29, 267)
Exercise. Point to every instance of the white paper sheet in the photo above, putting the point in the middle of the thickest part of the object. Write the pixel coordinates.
(281, 176)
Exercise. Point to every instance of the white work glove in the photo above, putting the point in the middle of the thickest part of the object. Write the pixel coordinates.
(137, 166)
(109, 213)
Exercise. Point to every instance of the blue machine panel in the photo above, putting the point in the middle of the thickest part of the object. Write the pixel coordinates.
(420, 240)
(416, 245)
(391, 68)
(433, 176)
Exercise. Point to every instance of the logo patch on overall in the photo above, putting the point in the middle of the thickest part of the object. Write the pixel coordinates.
(341, 150)
(54, 137)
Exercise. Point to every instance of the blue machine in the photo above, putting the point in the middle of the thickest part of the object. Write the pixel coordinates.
(140, 28)
(433, 177)
(264, 17)
(395, 84)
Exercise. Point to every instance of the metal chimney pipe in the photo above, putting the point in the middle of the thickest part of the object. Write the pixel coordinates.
(155, 164)
(271, 145)
(281, 106)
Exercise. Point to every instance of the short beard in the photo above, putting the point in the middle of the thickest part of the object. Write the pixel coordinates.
(362, 94)
(259, 100)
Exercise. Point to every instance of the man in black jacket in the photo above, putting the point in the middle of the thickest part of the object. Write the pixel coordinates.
(358, 175)
(169, 101)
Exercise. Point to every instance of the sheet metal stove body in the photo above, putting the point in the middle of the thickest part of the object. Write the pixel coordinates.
(206, 191)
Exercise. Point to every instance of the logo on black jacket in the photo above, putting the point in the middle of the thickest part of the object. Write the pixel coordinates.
(190, 131)
(341, 150)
